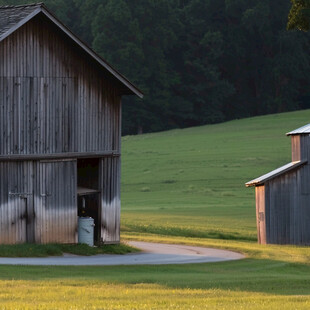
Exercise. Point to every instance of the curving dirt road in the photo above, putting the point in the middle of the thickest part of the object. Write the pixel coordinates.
(152, 254)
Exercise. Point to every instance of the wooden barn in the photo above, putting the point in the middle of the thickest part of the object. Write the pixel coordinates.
(60, 130)
(283, 196)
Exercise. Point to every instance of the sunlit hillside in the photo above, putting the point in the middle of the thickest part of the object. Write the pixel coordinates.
(190, 182)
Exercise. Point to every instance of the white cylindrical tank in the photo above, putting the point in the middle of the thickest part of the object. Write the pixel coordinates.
(86, 230)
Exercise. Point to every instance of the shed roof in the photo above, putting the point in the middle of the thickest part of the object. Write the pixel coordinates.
(302, 130)
(277, 172)
(12, 17)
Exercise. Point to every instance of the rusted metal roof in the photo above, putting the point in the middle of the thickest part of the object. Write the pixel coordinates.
(302, 130)
(271, 175)
(14, 17)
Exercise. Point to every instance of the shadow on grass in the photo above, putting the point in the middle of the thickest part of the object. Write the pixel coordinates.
(184, 232)
(252, 275)
(56, 249)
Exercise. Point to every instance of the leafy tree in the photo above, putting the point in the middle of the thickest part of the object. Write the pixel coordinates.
(299, 16)
(197, 61)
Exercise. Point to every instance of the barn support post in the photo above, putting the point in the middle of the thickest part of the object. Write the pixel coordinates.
(260, 214)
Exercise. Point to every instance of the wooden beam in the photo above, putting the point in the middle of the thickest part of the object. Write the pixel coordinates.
(20, 157)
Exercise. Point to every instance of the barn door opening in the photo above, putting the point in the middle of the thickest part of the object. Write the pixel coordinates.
(88, 192)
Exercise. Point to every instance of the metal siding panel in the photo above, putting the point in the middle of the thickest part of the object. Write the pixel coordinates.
(59, 201)
(110, 200)
(16, 202)
(40, 65)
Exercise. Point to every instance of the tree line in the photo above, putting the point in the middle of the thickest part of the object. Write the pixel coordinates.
(197, 61)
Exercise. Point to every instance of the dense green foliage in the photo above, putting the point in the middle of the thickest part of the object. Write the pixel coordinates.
(299, 16)
(197, 61)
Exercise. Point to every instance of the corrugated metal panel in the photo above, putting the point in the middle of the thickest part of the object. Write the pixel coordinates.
(56, 208)
(16, 201)
(302, 130)
(110, 199)
(284, 213)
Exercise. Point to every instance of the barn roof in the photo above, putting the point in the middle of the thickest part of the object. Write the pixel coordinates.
(14, 17)
(271, 175)
(302, 130)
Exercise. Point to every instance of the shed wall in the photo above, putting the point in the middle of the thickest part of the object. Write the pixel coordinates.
(283, 209)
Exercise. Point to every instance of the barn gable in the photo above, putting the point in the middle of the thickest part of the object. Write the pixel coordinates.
(14, 17)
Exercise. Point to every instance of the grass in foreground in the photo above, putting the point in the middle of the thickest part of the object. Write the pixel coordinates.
(178, 185)
(43, 250)
(272, 277)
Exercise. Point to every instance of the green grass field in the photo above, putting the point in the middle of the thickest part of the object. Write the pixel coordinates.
(190, 182)
(185, 186)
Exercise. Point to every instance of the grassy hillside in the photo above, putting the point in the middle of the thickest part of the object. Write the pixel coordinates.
(190, 182)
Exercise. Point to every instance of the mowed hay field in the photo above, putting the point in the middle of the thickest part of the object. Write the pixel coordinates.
(190, 182)
(185, 186)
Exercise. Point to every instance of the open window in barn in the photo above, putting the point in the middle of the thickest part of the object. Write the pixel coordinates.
(88, 192)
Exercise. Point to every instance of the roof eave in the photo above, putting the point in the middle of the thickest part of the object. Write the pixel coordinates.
(304, 130)
(273, 174)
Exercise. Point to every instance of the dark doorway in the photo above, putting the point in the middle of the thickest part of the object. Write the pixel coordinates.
(88, 173)
(88, 192)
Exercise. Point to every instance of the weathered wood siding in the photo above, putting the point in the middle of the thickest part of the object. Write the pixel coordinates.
(283, 206)
(110, 199)
(56, 202)
(52, 100)
(16, 197)
(38, 202)
(287, 211)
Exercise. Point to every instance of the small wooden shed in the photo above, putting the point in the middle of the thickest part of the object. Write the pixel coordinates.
(283, 196)
(60, 131)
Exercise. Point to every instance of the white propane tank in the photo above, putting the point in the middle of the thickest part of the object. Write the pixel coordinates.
(86, 230)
